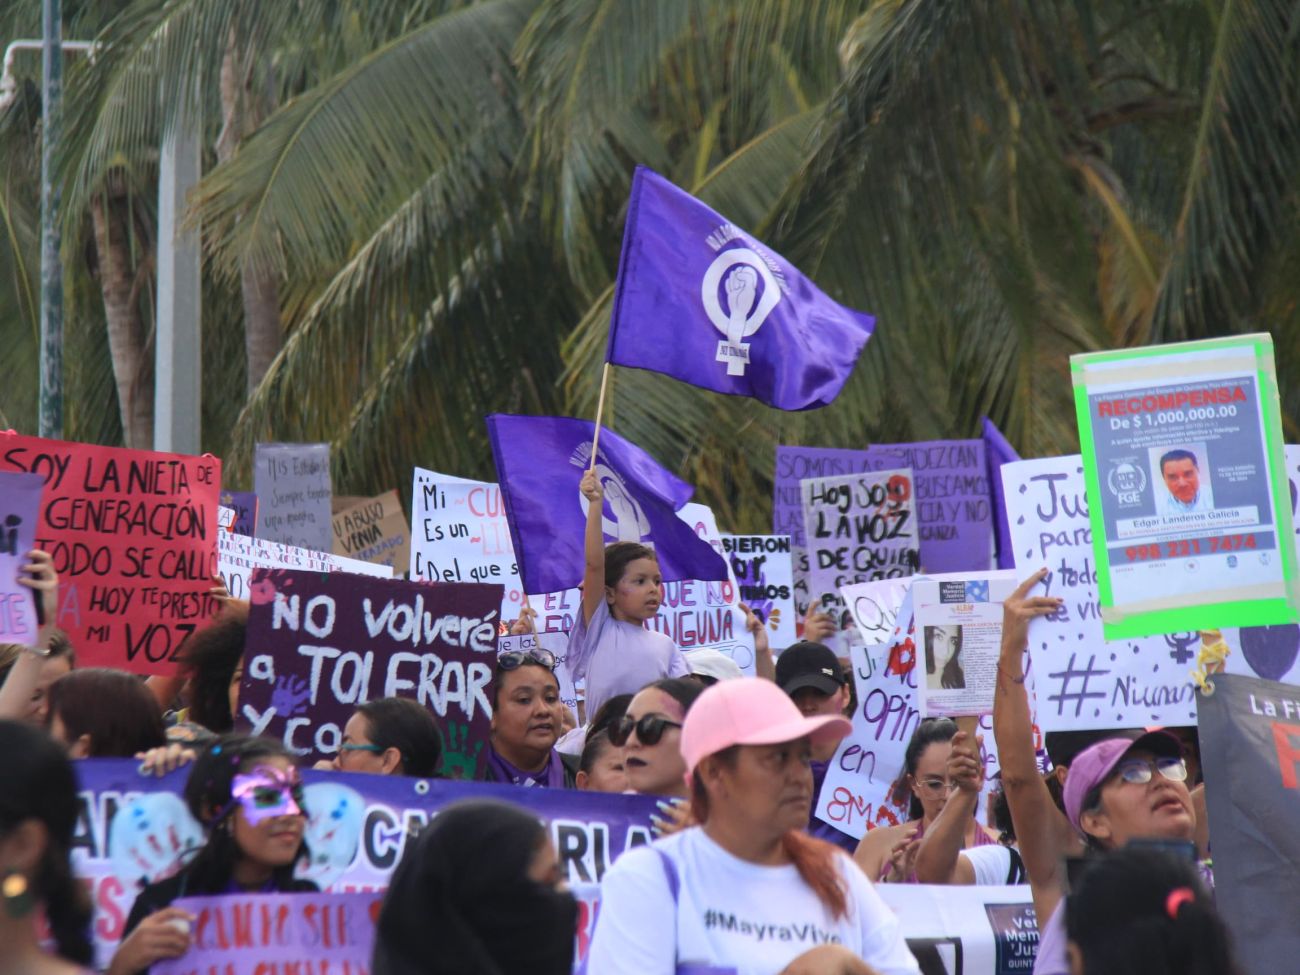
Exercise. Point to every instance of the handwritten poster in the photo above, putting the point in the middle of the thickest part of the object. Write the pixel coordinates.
(238, 556)
(1187, 491)
(256, 934)
(764, 571)
(953, 507)
(292, 482)
(20, 506)
(460, 534)
(374, 530)
(319, 644)
(243, 507)
(558, 645)
(859, 528)
(133, 535)
(1083, 681)
(874, 608)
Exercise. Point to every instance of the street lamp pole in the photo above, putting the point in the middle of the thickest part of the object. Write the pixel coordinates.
(51, 396)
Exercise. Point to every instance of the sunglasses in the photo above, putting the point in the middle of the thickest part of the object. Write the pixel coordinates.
(513, 659)
(649, 729)
(1139, 771)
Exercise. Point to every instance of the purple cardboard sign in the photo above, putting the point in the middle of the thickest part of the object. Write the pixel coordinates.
(20, 507)
(255, 934)
(319, 644)
(952, 497)
(244, 504)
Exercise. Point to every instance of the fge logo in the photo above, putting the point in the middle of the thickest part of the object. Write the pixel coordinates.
(1128, 482)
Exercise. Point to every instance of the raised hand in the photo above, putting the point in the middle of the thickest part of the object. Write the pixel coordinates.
(39, 576)
(590, 487)
(965, 766)
(1020, 607)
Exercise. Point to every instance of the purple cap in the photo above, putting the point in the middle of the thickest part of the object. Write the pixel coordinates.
(1093, 765)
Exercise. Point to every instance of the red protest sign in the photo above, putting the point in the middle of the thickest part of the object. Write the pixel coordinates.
(133, 535)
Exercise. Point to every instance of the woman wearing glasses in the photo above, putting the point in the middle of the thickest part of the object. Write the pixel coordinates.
(390, 736)
(888, 852)
(1116, 790)
(247, 794)
(650, 734)
(526, 722)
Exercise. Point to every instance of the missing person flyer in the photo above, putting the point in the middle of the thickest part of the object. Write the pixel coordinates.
(959, 623)
(1186, 485)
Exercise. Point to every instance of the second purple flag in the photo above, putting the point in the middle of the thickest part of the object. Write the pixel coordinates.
(702, 301)
(541, 459)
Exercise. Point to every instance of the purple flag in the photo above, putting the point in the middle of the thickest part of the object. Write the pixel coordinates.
(702, 301)
(998, 452)
(541, 459)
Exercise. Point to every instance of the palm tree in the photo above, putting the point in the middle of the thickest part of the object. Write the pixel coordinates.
(439, 199)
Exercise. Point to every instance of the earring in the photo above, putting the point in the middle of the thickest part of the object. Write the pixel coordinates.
(17, 896)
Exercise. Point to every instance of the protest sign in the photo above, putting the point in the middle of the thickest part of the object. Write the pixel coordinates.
(292, 482)
(859, 528)
(1186, 485)
(320, 644)
(952, 500)
(698, 613)
(356, 850)
(1082, 681)
(874, 608)
(261, 934)
(1250, 753)
(133, 535)
(959, 619)
(374, 530)
(966, 930)
(20, 507)
(558, 645)
(764, 571)
(238, 556)
(460, 534)
(243, 505)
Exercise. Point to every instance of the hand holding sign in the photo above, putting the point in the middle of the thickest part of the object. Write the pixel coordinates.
(965, 764)
(1018, 609)
(41, 578)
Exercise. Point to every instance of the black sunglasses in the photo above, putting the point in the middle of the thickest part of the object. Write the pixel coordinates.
(512, 659)
(649, 729)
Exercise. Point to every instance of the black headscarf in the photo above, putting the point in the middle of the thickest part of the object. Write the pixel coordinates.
(461, 903)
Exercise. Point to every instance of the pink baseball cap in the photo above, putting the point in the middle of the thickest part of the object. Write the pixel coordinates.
(749, 711)
(1093, 766)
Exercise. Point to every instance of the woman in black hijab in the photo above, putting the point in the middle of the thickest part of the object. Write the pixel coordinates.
(477, 894)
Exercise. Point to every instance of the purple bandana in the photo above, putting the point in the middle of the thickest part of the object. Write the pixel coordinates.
(551, 775)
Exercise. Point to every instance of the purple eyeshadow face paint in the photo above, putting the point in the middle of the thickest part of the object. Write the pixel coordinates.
(268, 792)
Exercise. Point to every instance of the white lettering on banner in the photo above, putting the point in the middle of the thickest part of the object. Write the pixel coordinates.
(1081, 680)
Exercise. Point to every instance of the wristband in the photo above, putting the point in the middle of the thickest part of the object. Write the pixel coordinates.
(1014, 680)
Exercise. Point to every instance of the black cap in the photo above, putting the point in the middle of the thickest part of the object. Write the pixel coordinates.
(809, 664)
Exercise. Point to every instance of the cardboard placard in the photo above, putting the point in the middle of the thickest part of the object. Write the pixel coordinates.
(374, 530)
(133, 535)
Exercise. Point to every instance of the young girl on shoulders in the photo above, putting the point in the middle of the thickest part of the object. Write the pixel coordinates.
(610, 647)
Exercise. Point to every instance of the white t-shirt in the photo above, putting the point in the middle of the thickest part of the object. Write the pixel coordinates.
(991, 862)
(732, 914)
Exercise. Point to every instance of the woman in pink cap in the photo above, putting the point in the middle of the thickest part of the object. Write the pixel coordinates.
(747, 892)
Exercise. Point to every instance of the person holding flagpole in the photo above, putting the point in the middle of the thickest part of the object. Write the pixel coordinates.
(622, 588)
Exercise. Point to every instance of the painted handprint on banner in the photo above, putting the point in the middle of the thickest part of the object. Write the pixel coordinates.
(151, 837)
(335, 815)
(459, 761)
(290, 695)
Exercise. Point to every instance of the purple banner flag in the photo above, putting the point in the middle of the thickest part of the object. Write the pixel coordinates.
(702, 301)
(541, 459)
(244, 504)
(997, 451)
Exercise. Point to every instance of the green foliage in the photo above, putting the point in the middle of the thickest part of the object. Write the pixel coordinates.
(1003, 183)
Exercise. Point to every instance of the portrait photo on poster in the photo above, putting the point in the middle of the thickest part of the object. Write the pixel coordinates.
(943, 669)
(1182, 478)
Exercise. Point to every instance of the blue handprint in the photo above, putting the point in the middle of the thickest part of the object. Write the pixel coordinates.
(290, 694)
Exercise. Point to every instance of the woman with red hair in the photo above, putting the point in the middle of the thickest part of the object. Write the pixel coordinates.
(747, 891)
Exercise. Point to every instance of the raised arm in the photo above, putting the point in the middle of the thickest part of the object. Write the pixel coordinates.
(764, 665)
(593, 578)
(1044, 834)
(16, 693)
(939, 860)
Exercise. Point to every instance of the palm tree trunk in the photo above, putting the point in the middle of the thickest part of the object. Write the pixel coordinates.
(241, 112)
(127, 342)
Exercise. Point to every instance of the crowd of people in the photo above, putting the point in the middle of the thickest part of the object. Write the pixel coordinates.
(744, 878)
